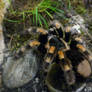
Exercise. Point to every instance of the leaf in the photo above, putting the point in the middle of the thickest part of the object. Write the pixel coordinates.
(33, 18)
(69, 5)
(40, 21)
(36, 13)
(23, 14)
(14, 21)
(59, 10)
(49, 14)
(45, 22)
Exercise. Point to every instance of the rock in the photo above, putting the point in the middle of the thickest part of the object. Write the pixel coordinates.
(4, 4)
(18, 72)
(2, 46)
(75, 30)
(0, 81)
(78, 21)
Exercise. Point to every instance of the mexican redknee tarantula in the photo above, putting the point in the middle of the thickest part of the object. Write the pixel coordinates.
(58, 45)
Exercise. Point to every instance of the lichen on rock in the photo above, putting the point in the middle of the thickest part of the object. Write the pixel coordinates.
(4, 4)
(18, 72)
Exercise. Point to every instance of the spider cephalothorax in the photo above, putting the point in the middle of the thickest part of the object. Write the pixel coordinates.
(60, 46)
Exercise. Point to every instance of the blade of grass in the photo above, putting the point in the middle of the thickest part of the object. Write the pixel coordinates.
(59, 10)
(52, 8)
(14, 21)
(60, 15)
(45, 22)
(11, 7)
(23, 14)
(69, 5)
(33, 18)
(48, 13)
(40, 22)
(36, 14)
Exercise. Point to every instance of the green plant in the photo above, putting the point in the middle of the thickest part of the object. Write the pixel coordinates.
(78, 5)
(81, 10)
(1, 5)
(69, 4)
(39, 14)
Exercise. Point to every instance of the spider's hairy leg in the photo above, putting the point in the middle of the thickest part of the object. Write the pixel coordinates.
(34, 43)
(83, 58)
(42, 39)
(51, 47)
(19, 52)
(40, 34)
(38, 42)
(56, 28)
(30, 44)
(66, 67)
(50, 54)
(80, 46)
(49, 57)
(86, 63)
(67, 37)
(35, 30)
(74, 44)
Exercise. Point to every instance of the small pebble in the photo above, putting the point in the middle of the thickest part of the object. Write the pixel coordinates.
(37, 80)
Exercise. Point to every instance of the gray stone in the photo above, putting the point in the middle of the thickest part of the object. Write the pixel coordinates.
(78, 20)
(3, 10)
(2, 45)
(18, 72)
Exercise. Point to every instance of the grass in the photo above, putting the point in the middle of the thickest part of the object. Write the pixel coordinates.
(22, 16)
(19, 18)
(78, 6)
(1, 4)
(39, 14)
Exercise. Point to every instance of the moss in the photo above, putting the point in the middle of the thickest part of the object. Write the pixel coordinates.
(77, 5)
(80, 9)
(1, 4)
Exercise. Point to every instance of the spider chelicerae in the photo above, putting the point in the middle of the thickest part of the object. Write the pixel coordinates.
(60, 46)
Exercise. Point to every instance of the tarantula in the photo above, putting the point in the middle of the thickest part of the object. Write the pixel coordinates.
(59, 45)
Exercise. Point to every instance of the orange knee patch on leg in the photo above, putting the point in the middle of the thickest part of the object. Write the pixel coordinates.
(60, 54)
(57, 25)
(66, 68)
(68, 29)
(48, 60)
(41, 30)
(52, 49)
(47, 45)
(82, 48)
(34, 43)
